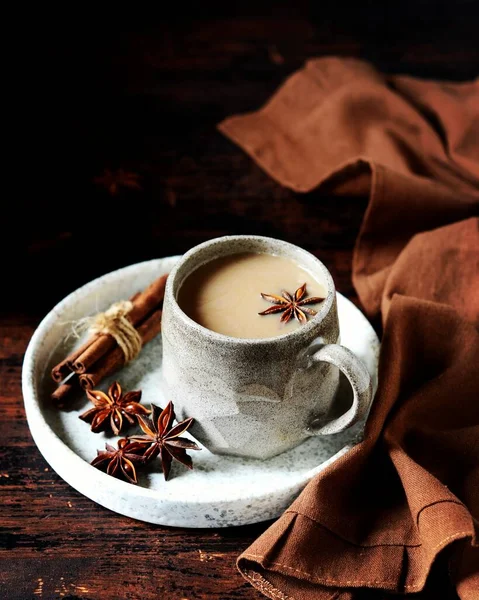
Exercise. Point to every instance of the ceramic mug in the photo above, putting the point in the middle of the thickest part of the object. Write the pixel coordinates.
(258, 397)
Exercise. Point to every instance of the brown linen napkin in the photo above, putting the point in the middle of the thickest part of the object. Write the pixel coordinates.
(399, 513)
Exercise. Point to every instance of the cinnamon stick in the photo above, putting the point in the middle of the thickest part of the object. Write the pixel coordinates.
(143, 304)
(115, 359)
(63, 368)
(63, 391)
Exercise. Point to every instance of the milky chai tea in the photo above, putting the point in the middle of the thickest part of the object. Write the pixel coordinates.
(224, 295)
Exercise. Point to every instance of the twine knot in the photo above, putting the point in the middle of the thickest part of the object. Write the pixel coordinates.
(114, 322)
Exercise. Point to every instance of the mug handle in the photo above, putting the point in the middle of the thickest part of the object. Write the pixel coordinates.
(359, 379)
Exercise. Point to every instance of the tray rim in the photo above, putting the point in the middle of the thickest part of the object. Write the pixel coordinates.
(60, 456)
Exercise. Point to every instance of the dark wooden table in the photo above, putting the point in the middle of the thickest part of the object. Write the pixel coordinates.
(146, 100)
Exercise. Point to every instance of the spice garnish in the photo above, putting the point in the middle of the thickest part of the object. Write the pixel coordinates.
(113, 181)
(164, 439)
(291, 306)
(114, 405)
(120, 463)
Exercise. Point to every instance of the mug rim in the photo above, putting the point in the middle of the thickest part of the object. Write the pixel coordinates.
(227, 339)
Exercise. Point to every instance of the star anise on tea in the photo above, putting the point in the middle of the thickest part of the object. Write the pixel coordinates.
(120, 462)
(291, 305)
(114, 409)
(164, 438)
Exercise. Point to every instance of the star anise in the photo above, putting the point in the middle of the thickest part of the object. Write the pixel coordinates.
(164, 438)
(113, 181)
(291, 306)
(120, 463)
(110, 409)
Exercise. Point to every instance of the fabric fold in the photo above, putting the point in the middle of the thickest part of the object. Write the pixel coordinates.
(383, 500)
(399, 513)
(338, 118)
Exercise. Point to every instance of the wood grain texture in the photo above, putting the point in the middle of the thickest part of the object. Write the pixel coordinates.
(146, 100)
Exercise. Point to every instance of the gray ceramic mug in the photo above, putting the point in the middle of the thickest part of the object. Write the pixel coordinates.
(258, 397)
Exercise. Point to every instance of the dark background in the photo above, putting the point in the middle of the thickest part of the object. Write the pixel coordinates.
(108, 92)
(111, 93)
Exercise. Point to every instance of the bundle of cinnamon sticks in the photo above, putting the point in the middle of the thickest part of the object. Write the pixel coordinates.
(100, 355)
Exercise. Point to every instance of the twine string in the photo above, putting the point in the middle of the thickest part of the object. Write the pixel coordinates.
(114, 322)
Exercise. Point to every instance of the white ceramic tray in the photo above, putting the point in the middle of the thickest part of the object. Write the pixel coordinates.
(220, 491)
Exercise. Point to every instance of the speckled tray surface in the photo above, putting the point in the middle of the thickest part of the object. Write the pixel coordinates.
(221, 491)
